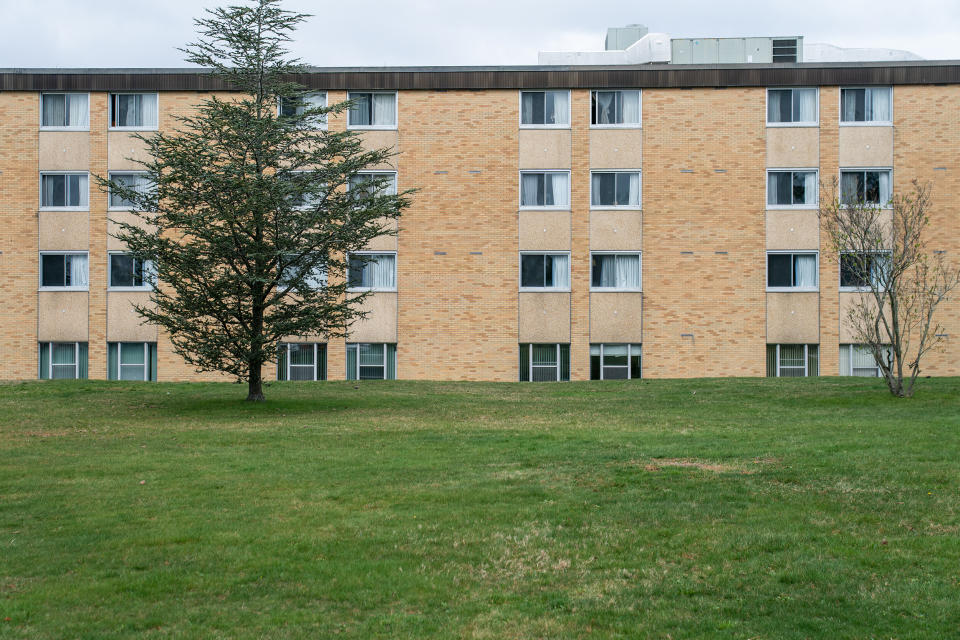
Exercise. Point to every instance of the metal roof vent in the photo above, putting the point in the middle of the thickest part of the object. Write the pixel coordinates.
(785, 50)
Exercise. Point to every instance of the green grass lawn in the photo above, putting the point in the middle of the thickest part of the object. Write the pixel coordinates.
(737, 508)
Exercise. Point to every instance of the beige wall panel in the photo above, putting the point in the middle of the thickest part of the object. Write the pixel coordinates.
(382, 140)
(793, 318)
(793, 146)
(62, 316)
(787, 230)
(544, 149)
(616, 148)
(616, 317)
(866, 146)
(64, 231)
(544, 230)
(848, 300)
(124, 151)
(123, 323)
(113, 218)
(616, 230)
(381, 323)
(544, 317)
(384, 242)
(65, 151)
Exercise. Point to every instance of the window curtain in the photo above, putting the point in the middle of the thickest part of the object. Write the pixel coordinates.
(351, 362)
(529, 188)
(884, 187)
(153, 361)
(557, 107)
(63, 360)
(148, 109)
(78, 270)
(112, 359)
(360, 109)
(282, 361)
(604, 271)
(391, 362)
(44, 372)
(805, 270)
(805, 105)
(82, 361)
(628, 272)
(54, 110)
(813, 360)
(79, 113)
(850, 97)
(321, 362)
(77, 190)
(603, 189)
(879, 101)
(133, 361)
(862, 362)
(380, 272)
(851, 186)
(634, 189)
(384, 109)
(557, 193)
(879, 266)
(775, 101)
(845, 359)
(526, 107)
(605, 107)
(561, 271)
(809, 188)
(54, 191)
(631, 107)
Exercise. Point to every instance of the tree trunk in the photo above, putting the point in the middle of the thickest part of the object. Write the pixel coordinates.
(255, 384)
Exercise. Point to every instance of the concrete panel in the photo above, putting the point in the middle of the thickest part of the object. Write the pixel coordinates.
(788, 230)
(849, 300)
(64, 231)
(616, 317)
(544, 149)
(616, 230)
(793, 146)
(793, 318)
(616, 148)
(124, 151)
(389, 140)
(381, 323)
(114, 217)
(123, 323)
(544, 230)
(544, 317)
(384, 242)
(62, 316)
(64, 150)
(866, 146)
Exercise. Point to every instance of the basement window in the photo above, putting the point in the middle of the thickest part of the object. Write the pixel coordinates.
(302, 361)
(132, 361)
(858, 360)
(371, 361)
(62, 361)
(615, 361)
(793, 360)
(544, 362)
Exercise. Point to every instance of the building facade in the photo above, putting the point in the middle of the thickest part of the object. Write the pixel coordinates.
(569, 223)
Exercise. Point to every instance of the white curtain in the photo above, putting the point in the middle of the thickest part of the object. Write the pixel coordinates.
(879, 101)
(884, 187)
(805, 270)
(79, 113)
(634, 189)
(561, 107)
(561, 271)
(879, 270)
(849, 99)
(606, 101)
(77, 263)
(774, 99)
(528, 189)
(54, 110)
(631, 107)
(381, 272)
(556, 189)
(604, 271)
(384, 109)
(148, 110)
(809, 188)
(628, 272)
(808, 104)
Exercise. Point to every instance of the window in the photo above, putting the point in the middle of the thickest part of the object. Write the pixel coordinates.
(372, 109)
(132, 361)
(792, 188)
(302, 361)
(614, 361)
(615, 189)
(793, 360)
(374, 361)
(797, 271)
(387, 181)
(297, 106)
(864, 270)
(545, 271)
(858, 360)
(871, 105)
(867, 186)
(65, 111)
(375, 271)
(133, 111)
(60, 190)
(306, 189)
(615, 108)
(134, 180)
(545, 108)
(63, 360)
(792, 106)
(63, 271)
(544, 362)
(315, 279)
(545, 189)
(615, 271)
(127, 272)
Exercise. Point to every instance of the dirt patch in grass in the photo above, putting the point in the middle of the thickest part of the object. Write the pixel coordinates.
(656, 464)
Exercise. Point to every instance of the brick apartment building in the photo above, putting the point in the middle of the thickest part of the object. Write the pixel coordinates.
(571, 222)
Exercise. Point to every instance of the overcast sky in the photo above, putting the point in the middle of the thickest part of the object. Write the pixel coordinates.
(102, 33)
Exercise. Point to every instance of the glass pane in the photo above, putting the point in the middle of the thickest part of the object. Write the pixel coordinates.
(53, 269)
(616, 373)
(121, 270)
(792, 355)
(779, 266)
(132, 372)
(301, 354)
(371, 373)
(635, 361)
(604, 189)
(63, 372)
(300, 372)
(132, 353)
(771, 361)
(545, 355)
(371, 354)
(595, 362)
(524, 363)
(565, 362)
(623, 189)
(360, 110)
(532, 271)
(544, 374)
(351, 362)
(614, 355)
(871, 189)
(64, 353)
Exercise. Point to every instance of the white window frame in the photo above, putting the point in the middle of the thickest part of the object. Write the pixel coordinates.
(806, 361)
(545, 207)
(849, 348)
(316, 356)
(880, 205)
(376, 127)
(391, 191)
(628, 125)
(41, 286)
(110, 175)
(50, 365)
(149, 274)
(865, 123)
(374, 253)
(629, 346)
(618, 207)
(530, 366)
(766, 109)
(849, 289)
(43, 207)
(792, 170)
(791, 252)
(383, 345)
(543, 126)
(322, 123)
(639, 255)
(542, 289)
(44, 127)
(110, 101)
(146, 361)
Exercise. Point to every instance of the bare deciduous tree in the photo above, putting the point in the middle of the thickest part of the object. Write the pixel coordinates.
(883, 255)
